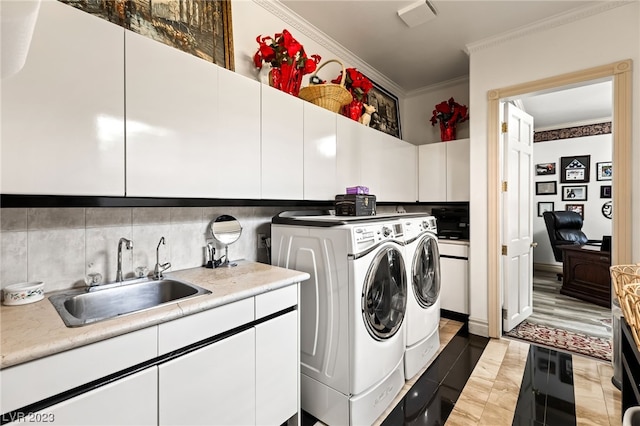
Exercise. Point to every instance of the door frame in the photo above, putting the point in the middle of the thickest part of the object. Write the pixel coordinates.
(621, 75)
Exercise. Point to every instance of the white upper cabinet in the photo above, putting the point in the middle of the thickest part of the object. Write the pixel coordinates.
(399, 170)
(282, 148)
(63, 112)
(172, 121)
(432, 172)
(443, 173)
(458, 163)
(349, 140)
(235, 156)
(381, 162)
(320, 165)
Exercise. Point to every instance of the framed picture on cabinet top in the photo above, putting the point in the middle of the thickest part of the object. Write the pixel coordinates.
(604, 171)
(578, 208)
(203, 30)
(386, 117)
(546, 188)
(575, 169)
(544, 206)
(574, 193)
(605, 191)
(545, 169)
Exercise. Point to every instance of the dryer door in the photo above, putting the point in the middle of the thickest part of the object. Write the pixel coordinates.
(384, 294)
(426, 271)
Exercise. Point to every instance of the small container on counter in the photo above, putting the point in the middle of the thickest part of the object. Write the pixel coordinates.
(23, 293)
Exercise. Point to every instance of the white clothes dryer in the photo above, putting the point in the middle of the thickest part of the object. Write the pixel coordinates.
(352, 311)
(423, 301)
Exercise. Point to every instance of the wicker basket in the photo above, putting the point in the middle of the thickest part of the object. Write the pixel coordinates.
(626, 286)
(328, 95)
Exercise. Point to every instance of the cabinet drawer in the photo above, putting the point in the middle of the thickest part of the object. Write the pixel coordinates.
(277, 300)
(193, 328)
(457, 250)
(36, 380)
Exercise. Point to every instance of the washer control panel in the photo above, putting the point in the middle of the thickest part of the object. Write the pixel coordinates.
(368, 235)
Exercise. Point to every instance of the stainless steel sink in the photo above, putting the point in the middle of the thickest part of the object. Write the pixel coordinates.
(82, 307)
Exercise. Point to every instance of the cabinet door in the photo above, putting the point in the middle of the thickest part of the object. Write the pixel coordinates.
(277, 368)
(454, 293)
(373, 162)
(349, 140)
(432, 172)
(63, 112)
(319, 153)
(171, 121)
(282, 148)
(132, 400)
(214, 385)
(458, 170)
(235, 157)
(400, 168)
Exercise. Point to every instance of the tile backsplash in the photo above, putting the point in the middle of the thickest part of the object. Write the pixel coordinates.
(61, 246)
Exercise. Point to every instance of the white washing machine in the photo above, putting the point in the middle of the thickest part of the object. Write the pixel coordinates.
(352, 311)
(423, 300)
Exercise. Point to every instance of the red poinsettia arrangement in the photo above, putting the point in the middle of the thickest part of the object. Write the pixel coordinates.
(284, 49)
(449, 113)
(356, 83)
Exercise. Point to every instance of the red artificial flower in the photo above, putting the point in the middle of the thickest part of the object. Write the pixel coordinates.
(449, 113)
(357, 84)
(283, 49)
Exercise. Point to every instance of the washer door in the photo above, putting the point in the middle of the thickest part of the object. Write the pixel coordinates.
(426, 272)
(384, 294)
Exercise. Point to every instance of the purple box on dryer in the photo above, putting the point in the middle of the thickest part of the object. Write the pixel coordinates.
(362, 190)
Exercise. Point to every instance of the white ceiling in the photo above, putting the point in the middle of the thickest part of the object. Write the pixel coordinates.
(434, 52)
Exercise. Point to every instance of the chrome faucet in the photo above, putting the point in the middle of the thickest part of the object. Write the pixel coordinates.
(128, 246)
(159, 269)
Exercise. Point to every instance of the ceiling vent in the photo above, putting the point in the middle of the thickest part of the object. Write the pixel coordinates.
(417, 13)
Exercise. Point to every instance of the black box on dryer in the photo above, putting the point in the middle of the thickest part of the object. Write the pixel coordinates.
(355, 205)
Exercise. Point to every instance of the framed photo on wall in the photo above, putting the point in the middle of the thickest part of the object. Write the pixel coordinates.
(605, 191)
(575, 169)
(578, 208)
(604, 170)
(574, 193)
(544, 206)
(546, 188)
(545, 169)
(387, 115)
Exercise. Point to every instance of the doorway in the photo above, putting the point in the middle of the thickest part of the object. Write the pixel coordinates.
(620, 72)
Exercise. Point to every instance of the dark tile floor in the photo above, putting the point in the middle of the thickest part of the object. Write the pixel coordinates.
(546, 394)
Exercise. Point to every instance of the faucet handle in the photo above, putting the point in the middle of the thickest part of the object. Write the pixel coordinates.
(93, 279)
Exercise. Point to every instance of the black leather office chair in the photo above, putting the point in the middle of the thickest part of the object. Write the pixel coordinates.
(565, 227)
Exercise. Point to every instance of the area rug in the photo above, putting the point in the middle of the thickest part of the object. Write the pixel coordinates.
(564, 340)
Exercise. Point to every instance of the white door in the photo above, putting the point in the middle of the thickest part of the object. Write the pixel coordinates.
(517, 210)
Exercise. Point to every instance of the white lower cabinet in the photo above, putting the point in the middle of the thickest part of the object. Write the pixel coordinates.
(277, 369)
(214, 385)
(236, 364)
(131, 400)
(454, 277)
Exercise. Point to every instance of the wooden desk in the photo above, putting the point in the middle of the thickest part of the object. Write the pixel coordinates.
(586, 276)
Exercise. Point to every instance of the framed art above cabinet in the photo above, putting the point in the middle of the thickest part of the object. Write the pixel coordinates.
(203, 30)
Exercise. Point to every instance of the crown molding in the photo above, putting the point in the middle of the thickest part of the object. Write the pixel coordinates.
(303, 26)
(438, 86)
(544, 25)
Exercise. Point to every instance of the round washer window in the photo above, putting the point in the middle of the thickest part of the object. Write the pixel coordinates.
(426, 272)
(384, 294)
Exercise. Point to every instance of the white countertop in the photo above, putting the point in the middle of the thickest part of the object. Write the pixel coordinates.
(36, 330)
